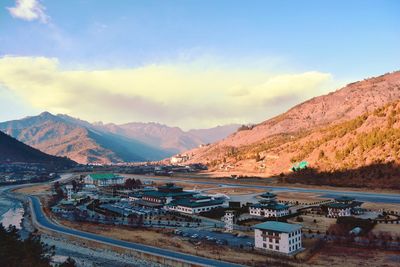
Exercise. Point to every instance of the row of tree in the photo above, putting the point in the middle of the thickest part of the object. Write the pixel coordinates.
(25, 253)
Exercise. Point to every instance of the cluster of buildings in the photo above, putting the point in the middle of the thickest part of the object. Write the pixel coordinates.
(272, 235)
(269, 207)
(174, 198)
(343, 206)
(17, 173)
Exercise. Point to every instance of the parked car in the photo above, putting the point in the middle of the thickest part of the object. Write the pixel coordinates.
(222, 242)
(195, 236)
(178, 232)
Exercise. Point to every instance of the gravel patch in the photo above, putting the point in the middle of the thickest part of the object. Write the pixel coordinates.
(90, 257)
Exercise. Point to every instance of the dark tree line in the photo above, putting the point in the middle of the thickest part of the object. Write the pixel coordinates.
(31, 252)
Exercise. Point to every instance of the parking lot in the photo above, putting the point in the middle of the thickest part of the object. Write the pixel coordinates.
(219, 238)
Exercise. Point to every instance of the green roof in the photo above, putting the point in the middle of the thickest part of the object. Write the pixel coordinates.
(103, 176)
(268, 195)
(167, 194)
(193, 204)
(278, 227)
(344, 199)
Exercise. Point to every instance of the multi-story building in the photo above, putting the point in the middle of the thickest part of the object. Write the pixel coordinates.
(194, 205)
(165, 194)
(103, 179)
(268, 207)
(343, 206)
(278, 237)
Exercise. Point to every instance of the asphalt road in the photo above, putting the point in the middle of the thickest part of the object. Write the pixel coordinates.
(43, 221)
(361, 196)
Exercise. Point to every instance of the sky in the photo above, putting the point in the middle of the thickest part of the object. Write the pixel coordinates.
(187, 63)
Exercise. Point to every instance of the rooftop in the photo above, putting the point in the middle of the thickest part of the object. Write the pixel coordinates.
(344, 199)
(278, 227)
(268, 195)
(167, 194)
(272, 206)
(192, 204)
(103, 176)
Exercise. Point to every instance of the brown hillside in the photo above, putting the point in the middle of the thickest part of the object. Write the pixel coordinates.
(350, 128)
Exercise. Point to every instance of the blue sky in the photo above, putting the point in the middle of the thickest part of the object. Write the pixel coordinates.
(347, 40)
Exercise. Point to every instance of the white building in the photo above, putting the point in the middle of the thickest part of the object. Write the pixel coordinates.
(104, 179)
(278, 237)
(343, 206)
(69, 192)
(194, 205)
(268, 207)
(179, 159)
(229, 220)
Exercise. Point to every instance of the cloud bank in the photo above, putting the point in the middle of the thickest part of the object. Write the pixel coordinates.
(187, 95)
(29, 10)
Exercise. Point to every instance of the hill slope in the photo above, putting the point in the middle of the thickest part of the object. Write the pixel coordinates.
(84, 142)
(78, 140)
(14, 151)
(338, 131)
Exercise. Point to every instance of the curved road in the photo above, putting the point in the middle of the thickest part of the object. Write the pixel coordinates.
(43, 221)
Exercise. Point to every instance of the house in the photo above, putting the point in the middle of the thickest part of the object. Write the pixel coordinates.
(343, 206)
(103, 179)
(179, 159)
(194, 205)
(278, 237)
(268, 207)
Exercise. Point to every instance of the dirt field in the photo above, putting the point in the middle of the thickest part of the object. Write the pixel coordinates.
(334, 255)
(380, 206)
(235, 191)
(394, 229)
(322, 223)
(34, 190)
(301, 197)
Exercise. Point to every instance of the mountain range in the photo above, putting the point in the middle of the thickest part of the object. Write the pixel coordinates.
(84, 142)
(13, 150)
(355, 126)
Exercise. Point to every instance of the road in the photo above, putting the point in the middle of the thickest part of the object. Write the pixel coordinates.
(41, 219)
(361, 196)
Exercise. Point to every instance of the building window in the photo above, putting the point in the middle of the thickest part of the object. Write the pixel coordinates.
(264, 245)
(277, 247)
(270, 246)
(276, 241)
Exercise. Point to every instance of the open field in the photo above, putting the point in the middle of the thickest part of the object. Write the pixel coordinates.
(165, 239)
(335, 255)
(380, 206)
(393, 229)
(301, 197)
(235, 191)
(34, 190)
(322, 223)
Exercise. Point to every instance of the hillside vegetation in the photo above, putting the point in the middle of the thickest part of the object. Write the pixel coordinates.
(345, 147)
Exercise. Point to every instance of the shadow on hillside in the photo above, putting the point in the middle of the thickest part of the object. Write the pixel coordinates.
(381, 175)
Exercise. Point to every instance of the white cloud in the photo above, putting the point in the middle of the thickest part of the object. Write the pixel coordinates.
(186, 95)
(29, 10)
